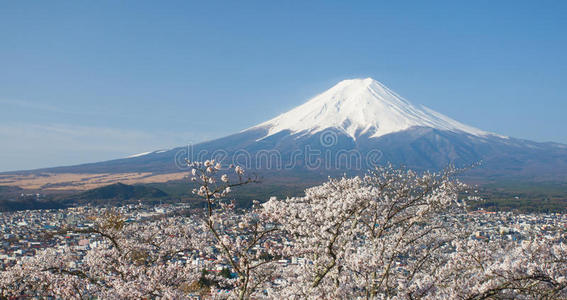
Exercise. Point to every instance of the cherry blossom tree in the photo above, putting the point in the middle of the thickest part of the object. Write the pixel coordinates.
(531, 269)
(246, 240)
(367, 237)
(128, 261)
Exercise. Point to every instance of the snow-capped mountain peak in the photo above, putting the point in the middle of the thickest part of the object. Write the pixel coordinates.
(361, 106)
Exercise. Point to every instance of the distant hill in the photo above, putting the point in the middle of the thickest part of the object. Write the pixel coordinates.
(28, 204)
(9, 192)
(119, 191)
(14, 198)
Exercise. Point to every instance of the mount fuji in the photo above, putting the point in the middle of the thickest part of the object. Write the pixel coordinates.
(351, 127)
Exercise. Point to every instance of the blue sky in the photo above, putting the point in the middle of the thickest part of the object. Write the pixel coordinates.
(84, 81)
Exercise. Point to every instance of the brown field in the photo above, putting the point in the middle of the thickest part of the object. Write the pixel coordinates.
(68, 181)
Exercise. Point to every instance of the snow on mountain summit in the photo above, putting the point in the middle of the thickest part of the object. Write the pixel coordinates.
(361, 106)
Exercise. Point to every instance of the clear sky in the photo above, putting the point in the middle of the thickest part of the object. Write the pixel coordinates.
(84, 81)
